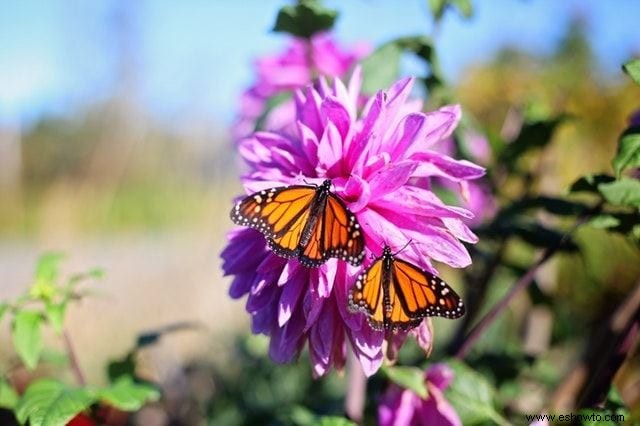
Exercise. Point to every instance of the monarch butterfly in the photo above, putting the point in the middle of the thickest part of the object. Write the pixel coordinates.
(397, 295)
(303, 221)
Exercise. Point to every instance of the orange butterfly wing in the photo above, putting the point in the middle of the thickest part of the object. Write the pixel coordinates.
(366, 295)
(336, 233)
(408, 295)
(301, 221)
(420, 294)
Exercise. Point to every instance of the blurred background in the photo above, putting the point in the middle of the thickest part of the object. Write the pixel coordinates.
(114, 143)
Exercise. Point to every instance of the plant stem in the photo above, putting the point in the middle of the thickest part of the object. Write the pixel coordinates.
(356, 389)
(73, 359)
(520, 285)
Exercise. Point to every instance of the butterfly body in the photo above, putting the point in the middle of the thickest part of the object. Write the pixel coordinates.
(397, 295)
(306, 222)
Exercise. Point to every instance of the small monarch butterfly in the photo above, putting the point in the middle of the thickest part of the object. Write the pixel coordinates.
(397, 295)
(303, 221)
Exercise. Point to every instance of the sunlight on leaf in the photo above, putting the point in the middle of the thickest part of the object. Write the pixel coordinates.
(473, 397)
(8, 396)
(27, 337)
(632, 68)
(623, 192)
(411, 378)
(628, 155)
(127, 395)
(48, 402)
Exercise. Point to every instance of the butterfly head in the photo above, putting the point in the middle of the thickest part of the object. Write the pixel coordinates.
(326, 185)
(386, 251)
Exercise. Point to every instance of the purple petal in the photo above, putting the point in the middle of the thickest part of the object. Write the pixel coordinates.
(336, 113)
(362, 143)
(460, 230)
(410, 129)
(356, 193)
(435, 164)
(326, 277)
(424, 335)
(308, 110)
(441, 375)
(321, 340)
(242, 242)
(290, 295)
(436, 410)
(390, 178)
(420, 202)
(397, 407)
(241, 284)
(435, 242)
(286, 342)
(329, 149)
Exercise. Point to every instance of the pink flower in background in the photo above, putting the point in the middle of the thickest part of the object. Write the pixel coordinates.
(374, 160)
(402, 407)
(278, 75)
(475, 195)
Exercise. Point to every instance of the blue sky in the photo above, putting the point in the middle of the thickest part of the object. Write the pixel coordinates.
(194, 56)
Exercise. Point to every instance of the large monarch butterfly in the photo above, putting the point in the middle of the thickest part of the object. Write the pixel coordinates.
(397, 295)
(303, 221)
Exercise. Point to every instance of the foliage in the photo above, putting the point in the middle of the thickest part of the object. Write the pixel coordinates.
(48, 401)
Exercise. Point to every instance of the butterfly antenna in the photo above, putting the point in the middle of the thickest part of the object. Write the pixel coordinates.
(403, 247)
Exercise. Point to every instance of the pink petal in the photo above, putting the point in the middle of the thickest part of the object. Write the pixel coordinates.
(435, 164)
(424, 335)
(441, 375)
(436, 410)
(356, 193)
(337, 114)
(290, 295)
(390, 178)
(421, 202)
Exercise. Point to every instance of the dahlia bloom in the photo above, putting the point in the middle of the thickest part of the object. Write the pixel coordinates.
(280, 74)
(375, 160)
(400, 406)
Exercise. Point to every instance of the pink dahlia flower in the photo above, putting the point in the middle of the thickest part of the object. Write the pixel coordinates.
(375, 160)
(280, 74)
(402, 407)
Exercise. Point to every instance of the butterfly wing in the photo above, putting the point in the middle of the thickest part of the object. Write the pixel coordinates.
(366, 295)
(415, 294)
(279, 213)
(335, 233)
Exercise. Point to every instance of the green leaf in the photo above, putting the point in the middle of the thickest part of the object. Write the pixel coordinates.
(381, 68)
(27, 338)
(127, 395)
(4, 307)
(95, 273)
(438, 7)
(628, 154)
(533, 233)
(604, 221)
(473, 397)
(632, 68)
(55, 315)
(590, 183)
(533, 135)
(623, 192)
(333, 421)
(557, 206)
(48, 266)
(48, 402)
(464, 7)
(411, 378)
(305, 19)
(8, 396)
